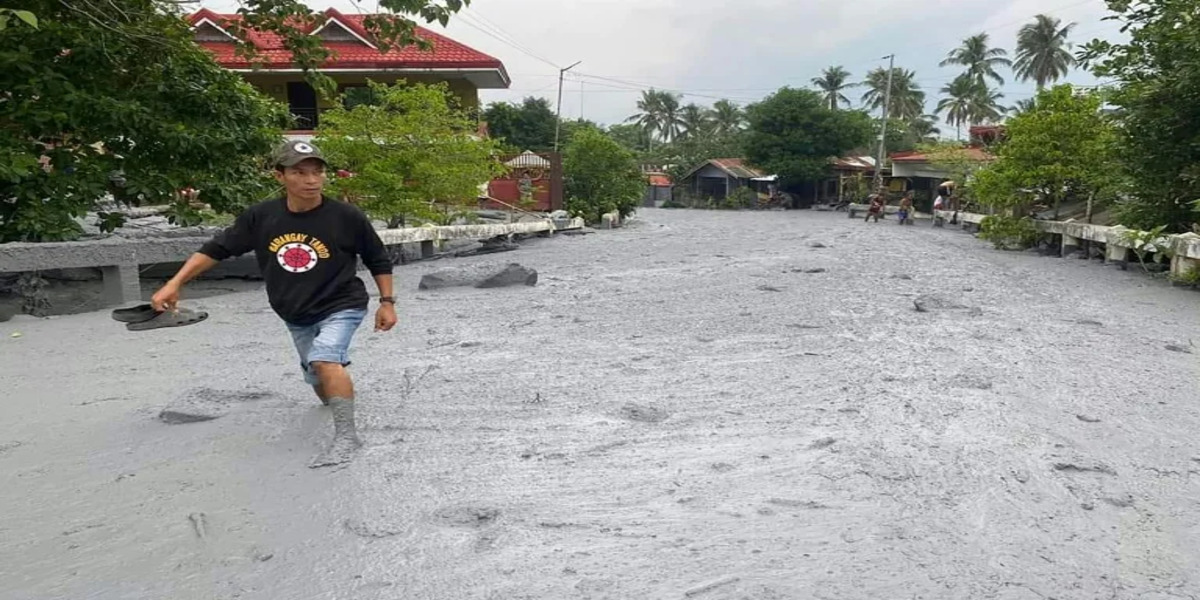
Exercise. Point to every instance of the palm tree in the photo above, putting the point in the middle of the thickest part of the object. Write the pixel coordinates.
(831, 83)
(923, 129)
(1022, 106)
(727, 117)
(670, 119)
(650, 113)
(957, 102)
(907, 101)
(986, 107)
(659, 114)
(694, 122)
(967, 101)
(1042, 51)
(980, 60)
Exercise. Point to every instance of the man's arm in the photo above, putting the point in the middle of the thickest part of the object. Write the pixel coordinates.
(235, 240)
(375, 258)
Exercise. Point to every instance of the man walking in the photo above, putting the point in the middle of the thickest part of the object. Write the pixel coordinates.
(308, 246)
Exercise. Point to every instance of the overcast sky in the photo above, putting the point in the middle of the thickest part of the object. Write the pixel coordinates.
(743, 50)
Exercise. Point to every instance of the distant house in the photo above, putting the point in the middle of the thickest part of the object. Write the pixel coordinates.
(357, 58)
(658, 188)
(720, 177)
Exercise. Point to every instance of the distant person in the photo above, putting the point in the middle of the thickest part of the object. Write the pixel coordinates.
(875, 208)
(906, 209)
(308, 247)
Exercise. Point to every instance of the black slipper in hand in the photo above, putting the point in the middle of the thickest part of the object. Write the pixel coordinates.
(136, 314)
(169, 318)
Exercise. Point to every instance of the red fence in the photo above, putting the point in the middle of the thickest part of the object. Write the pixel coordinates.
(536, 178)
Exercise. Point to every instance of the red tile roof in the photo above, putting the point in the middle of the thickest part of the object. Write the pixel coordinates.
(658, 180)
(446, 53)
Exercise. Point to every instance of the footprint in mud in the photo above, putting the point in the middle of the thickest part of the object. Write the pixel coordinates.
(467, 516)
(644, 414)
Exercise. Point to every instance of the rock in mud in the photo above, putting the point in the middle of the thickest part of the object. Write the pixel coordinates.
(1177, 348)
(191, 411)
(206, 404)
(479, 276)
(644, 414)
(468, 516)
(935, 302)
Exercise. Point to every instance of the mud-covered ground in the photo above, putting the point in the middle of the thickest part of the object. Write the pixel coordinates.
(684, 408)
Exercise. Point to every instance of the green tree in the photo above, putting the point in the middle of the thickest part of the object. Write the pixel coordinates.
(979, 59)
(907, 100)
(659, 114)
(1062, 147)
(600, 176)
(134, 109)
(413, 155)
(525, 126)
(1158, 100)
(630, 135)
(832, 82)
(728, 118)
(1042, 51)
(694, 122)
(969, 101)
(793, 134)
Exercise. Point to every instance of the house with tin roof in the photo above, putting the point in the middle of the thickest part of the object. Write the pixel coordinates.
(356, 58)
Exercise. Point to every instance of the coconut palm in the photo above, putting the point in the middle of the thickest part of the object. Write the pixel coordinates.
(907, 101)
(694, 122)
(923, 129)
(1042, 51)
(727, 117)
(956, 103)
(650, 112)
(831, 83)
(968, 101)
(1022, 106)
(659, 114)
(980, 60)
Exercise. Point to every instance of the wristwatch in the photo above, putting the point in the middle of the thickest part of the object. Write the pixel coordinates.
(388, 299)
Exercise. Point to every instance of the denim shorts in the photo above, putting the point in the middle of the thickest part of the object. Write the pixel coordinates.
(326, 341)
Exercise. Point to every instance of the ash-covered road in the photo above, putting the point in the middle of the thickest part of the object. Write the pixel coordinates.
(726, 405)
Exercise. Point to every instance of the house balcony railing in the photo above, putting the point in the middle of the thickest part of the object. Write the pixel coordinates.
(306, 119)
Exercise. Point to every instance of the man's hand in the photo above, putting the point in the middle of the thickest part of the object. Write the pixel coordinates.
(166, 298)
(385, 317)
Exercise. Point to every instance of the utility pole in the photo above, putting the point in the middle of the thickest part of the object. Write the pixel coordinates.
(558, 111)
(887, 107)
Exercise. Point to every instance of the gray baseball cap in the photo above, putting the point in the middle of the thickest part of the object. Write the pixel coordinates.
(291, 153)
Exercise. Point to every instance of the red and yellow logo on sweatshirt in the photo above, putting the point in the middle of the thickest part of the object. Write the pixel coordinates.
(298, 252)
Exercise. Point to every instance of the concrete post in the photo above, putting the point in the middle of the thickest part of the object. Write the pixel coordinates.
(1116, 255)
(1181, 265)
(1070, 245)
(121, 285)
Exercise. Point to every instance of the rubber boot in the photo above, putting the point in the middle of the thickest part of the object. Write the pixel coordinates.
(345, 435)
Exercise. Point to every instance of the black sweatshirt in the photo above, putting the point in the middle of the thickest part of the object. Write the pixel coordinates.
(310, 259)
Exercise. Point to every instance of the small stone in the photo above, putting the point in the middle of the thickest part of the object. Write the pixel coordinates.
(824, 442)
(644, 414)
(816, 245)
(903, 276)
(816, 270)
(1087, 506)
(1176, 348)
(16, 334)
(191, 412)
(768, 288)
(1087, 418)
(932, 302)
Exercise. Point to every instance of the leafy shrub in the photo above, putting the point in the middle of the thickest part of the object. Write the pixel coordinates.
(1008, 233)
